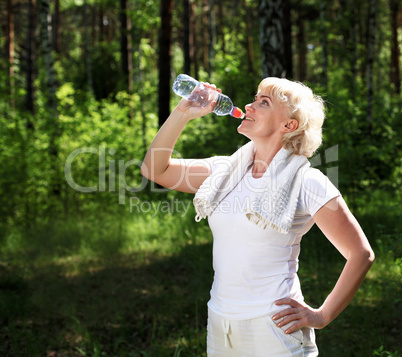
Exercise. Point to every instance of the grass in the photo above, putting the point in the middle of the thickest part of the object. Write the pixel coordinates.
(136, 285)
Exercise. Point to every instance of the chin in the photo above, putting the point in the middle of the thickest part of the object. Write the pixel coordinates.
(242, 132)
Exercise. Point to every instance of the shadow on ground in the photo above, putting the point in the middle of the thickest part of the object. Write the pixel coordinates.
(153, 305)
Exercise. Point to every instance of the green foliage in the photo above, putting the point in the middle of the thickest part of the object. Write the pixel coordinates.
(381, 352)
(136, 284)
(86, 273)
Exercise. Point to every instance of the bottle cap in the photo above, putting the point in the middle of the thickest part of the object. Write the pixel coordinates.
(237, 113)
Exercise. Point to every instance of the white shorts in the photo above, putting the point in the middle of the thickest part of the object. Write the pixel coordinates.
(256, 338)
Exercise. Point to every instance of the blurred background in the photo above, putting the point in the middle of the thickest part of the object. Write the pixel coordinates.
(95, 260)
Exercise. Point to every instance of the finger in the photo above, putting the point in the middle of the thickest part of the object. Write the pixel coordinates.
(294, 327)
(213, 86)
(282, 302)
(283, 313)
(287, 301)
(288, 319)
(208, 109)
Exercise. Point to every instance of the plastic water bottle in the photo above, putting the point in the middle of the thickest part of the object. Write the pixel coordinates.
(189, 88)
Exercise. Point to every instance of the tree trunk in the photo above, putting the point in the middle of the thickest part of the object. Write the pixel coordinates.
(211, 32)
(142, 97)
(53, 123)
(221, 26)
(87, 52)
(271, 38)
(395, 51)
(165, 34)
(324, 54)
(56, 28)
(94, 18)
(186, 37)
(193, 38)
(249, 38)
(204, 34)
(370, 63)
(123, 38)
(353, 39)
(30, 75)
(130, 54)
(301, 45)
(10, 51)
(101, 27)
(287, 38)
(126, 45)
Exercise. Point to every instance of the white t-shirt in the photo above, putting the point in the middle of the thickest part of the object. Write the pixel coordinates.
(254, 267)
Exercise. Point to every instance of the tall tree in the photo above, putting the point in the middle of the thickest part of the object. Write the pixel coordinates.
(101, 21)
(301, 44)
(51, 86)
(186, 37)
(164, 63)
(271, 38)
(204, 33)
(87, 52)
(249, 39)
(287, 38)
(30, 75)
(126, 45)
(193, 38)
(370, 62)
(211, 32)
(395, 51)
(353, 48)
(10, 46)
(221, 25)
(56, 28)
(324, 55)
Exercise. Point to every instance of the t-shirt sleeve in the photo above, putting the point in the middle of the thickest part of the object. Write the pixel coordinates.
(316, 191)
(217, 161)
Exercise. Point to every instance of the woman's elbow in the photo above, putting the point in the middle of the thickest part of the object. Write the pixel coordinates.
(368, 257)
(371, 256)
(145, 170)
(364, 257)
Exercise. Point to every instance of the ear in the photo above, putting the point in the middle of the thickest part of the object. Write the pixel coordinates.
(290, 125)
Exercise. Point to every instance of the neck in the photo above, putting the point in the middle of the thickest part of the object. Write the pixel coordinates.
(264, 155)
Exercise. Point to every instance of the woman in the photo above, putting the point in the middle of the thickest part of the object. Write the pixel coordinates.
(259, 203)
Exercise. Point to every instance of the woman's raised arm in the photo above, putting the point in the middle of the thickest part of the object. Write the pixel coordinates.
(178, 174)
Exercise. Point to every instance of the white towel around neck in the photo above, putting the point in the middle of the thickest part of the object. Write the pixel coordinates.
(272, 204)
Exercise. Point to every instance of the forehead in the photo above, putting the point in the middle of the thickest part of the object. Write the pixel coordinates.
(276, 89)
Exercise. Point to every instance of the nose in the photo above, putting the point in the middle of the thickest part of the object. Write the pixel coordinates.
(249, 107)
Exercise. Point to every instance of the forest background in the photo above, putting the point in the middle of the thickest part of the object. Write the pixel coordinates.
(95, 260)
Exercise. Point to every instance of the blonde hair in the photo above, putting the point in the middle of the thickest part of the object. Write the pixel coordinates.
(304, 106)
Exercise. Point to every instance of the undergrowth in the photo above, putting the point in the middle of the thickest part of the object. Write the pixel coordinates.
(137, 285)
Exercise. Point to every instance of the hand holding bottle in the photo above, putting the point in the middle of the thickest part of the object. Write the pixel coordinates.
(204, 94)
(196, 109)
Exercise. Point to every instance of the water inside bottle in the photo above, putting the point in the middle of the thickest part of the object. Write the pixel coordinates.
(202, 95)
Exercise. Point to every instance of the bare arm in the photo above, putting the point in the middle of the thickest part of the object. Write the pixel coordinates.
(158, 165)
(344, 232)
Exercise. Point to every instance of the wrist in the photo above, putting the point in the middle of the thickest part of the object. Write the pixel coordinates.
(326, 317)
(179, 114)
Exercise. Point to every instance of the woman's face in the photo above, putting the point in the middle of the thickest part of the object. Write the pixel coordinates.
(266, 117)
